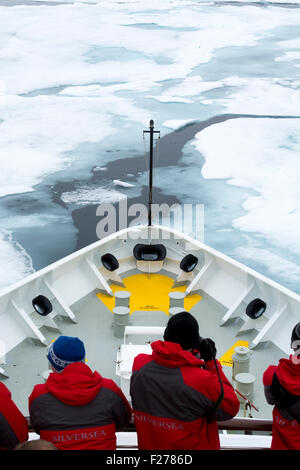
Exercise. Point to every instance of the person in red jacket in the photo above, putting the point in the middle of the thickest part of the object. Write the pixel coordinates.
(176, 396)
(282, 389)
(77, 408)
(13, 425)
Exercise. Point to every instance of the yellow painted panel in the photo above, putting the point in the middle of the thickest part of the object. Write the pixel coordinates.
(108, 300)
(226, 359)
(149, 293)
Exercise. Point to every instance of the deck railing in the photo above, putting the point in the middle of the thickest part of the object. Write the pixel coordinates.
(246, 424)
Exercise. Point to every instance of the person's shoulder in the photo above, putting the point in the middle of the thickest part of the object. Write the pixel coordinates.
(38, 390)
(140, 361)
(4, 392)
(5, 397)
(268, 375)
(109, 383)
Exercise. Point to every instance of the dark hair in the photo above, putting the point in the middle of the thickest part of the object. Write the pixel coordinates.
(36, 444)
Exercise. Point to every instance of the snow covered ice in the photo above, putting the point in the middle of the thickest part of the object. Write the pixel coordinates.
(79, 82)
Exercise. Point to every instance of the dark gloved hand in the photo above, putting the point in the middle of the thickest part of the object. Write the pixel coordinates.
(207, 349)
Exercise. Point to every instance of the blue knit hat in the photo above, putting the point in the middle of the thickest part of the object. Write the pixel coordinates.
(64, 351)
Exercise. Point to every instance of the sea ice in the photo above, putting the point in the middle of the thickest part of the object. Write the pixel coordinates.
(123, 183)
(89, 195)
(262, 96)
(37, 132)
(261, 154)
(278, 266)
(15, 263)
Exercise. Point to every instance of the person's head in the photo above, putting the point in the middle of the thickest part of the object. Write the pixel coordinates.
(295, 338)
(64, 351)
(36, 444)
(182, 328)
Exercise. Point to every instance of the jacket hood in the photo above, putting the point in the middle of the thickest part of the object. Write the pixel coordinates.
(4, 392)
(288, 373)
(171, 354)
(76, 385)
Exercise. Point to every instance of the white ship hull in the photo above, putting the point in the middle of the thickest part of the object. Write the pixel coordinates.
(68, 280)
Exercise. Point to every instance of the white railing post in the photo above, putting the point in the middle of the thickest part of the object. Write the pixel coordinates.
(34, 331)
(204, 270)
(68, 312)
(95, 271)
(230, 312)
(266, 328)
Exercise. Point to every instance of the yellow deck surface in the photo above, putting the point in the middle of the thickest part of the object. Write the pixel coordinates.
(226, 359)
(149, 293)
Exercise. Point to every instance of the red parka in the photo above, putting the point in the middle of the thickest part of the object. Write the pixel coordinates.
(286, 420)
(79, 409)
(13, 425)
(171, 391)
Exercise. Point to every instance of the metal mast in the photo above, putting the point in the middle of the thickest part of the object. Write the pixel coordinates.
(151, 132)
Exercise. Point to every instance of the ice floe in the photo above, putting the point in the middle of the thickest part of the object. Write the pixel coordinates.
(124, 184)
(36, 133)
(262, 96)
(263, 155)
(278, 266)
(90, 195)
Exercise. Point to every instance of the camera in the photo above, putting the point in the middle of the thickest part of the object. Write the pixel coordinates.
(207, 349)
